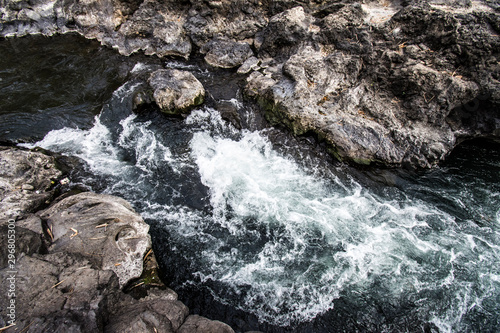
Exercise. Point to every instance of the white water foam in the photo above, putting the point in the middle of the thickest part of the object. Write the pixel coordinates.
(284, 243)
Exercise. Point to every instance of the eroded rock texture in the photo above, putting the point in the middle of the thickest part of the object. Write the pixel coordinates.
(69, 263)
(392, 82)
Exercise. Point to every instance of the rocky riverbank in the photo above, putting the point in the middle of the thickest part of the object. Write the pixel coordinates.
(79, 262)
(397, 83)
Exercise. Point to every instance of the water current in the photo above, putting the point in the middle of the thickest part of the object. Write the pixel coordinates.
(255, 227)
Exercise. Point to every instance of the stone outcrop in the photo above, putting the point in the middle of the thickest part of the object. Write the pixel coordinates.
(73, 260)
(391, 82)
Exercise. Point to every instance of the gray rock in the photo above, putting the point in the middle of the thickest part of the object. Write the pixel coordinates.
(155, 29)
(226, 53)
(59, 293)
(26, 242)
(197, 324)
(286, 30)
(163, 314)
(248, 65)
(236, 20)
(176, 91)
(104, 229)
(19, 167)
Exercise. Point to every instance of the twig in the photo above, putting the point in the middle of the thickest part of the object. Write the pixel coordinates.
(94, 238)
(50, 234)
(6, 327)
(147, 254)
(102, 226)
(58, 284)
(26, 328)
(75, 233)
(137, 285)
(84, 267)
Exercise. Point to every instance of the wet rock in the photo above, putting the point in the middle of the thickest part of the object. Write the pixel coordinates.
(26, 181)
(225, 53)
(104, 229)
(197, 324)
(176, 91)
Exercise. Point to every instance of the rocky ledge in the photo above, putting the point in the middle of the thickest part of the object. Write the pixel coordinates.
(68, 259)
(399, 83)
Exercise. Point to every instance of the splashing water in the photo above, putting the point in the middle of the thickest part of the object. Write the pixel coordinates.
(275, 240)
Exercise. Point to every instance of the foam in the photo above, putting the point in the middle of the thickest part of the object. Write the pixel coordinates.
(282, 242)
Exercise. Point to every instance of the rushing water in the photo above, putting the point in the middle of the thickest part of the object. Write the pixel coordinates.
(274, 238)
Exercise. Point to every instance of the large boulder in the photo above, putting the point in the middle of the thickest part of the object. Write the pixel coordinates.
(176, 91)
(103, 228)
(58, 293)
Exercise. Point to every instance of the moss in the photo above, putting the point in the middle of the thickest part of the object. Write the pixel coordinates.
(199, 99)
(362, 161)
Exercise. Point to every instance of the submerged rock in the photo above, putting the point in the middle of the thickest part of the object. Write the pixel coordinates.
(176, 91)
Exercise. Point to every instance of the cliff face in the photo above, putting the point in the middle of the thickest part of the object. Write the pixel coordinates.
(392, 82)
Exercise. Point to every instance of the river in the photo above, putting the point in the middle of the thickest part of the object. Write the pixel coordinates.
(253, 226)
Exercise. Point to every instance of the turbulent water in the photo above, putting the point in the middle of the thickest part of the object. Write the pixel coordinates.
(291, 241)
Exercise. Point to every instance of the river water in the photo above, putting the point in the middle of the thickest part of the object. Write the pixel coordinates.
(254, 227)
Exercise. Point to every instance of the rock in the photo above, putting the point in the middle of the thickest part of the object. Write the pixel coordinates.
(26, 181)
(235, 20)
(197, 324)
(225, 53)
(59, 293)
(102, 228)
(249, 65)
(155, 29)
(163, 314)
(176, 91)
(377, 85)
(286, 30)
(26, 242)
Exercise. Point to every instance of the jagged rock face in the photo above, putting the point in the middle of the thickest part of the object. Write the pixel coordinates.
(176, 91)
(409, 79)
(389, 92)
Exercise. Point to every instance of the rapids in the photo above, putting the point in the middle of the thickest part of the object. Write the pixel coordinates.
(273, 236)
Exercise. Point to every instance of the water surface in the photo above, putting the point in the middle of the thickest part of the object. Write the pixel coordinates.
(260, 230)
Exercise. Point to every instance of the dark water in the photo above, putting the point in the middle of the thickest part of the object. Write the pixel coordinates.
(52, 83)
(262, 230)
